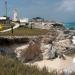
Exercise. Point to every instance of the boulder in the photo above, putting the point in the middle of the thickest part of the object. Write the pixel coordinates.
(36, 50)
(62, 44)
(19, 51)
(30, 53)
(48, 51)
(60, 35)
(59, 26)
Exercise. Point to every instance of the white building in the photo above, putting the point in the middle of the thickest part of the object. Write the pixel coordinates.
(24, 21)
(2, 18)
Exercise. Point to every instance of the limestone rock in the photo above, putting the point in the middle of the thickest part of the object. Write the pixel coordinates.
(60, 36)
(19, 51)
(48, 51)
(62, 44)
(32, 52)
(58, 26)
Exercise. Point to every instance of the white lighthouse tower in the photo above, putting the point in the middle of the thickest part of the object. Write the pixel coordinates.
(15, 15)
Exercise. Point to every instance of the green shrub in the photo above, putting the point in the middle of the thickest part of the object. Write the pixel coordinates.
(25, 32)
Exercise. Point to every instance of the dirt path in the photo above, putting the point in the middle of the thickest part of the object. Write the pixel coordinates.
(16, 26)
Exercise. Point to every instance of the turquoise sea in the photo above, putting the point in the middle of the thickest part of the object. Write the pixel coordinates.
(70, 25)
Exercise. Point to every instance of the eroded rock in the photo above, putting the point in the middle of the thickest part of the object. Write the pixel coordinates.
(48, 51)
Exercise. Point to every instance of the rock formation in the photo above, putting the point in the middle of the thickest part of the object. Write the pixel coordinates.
(56, 42)
(29, 52)
(40, 50)
(45, 48)
(48, 51)
(62, 44)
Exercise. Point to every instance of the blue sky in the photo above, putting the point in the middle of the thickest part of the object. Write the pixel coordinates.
(59, 10)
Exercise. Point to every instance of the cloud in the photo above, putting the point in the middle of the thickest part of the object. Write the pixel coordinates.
(67, 5)
(65, 10)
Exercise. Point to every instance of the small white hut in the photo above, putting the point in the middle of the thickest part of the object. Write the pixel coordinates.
(24, 21)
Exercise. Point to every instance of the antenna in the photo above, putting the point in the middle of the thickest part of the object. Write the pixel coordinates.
(5, 1)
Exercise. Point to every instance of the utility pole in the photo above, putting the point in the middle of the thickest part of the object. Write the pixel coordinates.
(5, 10)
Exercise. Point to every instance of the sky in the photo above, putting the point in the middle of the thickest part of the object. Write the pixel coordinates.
(58, 10)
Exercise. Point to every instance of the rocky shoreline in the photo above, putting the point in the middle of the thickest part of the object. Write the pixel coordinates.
(57, 43)
(57, 38)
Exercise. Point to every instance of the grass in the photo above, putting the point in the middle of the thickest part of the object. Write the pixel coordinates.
(10, 66)
(25, 32)
(6, 26)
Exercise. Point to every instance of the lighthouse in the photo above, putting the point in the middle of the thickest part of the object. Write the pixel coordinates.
(15, 15)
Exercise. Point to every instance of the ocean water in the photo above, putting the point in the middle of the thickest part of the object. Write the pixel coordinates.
(70, 25)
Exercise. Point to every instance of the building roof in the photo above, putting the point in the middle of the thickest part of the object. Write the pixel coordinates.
(2, 18)
(24, 20)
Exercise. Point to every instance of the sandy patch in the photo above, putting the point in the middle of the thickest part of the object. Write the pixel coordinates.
(55, 64)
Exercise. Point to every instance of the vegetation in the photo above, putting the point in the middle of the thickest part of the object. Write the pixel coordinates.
(5, 26)
(25, 32)
(9, 66)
